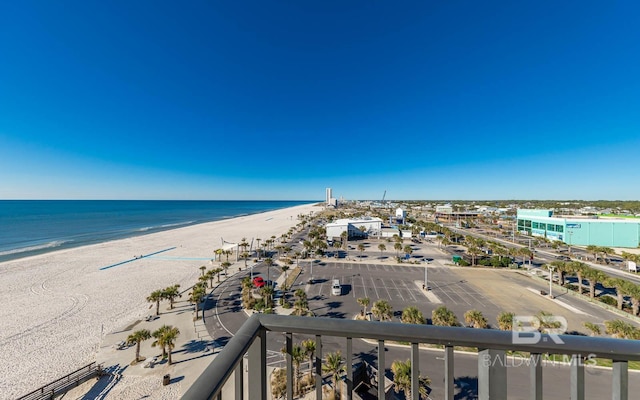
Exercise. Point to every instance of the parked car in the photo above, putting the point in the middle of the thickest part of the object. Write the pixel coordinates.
(258, 282)
(336, 289)
(563, 258)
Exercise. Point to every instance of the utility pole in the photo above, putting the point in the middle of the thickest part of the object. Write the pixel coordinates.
(426, 284)
(551, 268)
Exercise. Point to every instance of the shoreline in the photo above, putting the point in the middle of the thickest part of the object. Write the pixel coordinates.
(56, 307)
(69, 242)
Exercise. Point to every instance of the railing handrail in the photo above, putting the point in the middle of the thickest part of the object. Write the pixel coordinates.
(220, 369)
(614, 349)
(53, 386)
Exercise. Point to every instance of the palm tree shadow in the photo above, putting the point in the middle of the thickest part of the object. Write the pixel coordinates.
(194, 346)
(468, 387)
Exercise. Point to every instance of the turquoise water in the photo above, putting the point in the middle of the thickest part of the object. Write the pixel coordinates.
(29, 227)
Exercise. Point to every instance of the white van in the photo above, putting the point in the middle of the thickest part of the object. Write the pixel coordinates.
(336, 289)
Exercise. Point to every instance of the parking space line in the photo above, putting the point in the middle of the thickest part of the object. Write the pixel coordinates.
(410, 291)
(387, 289)
(375, 288)
(445, 293)
(465, 294)
(399, 291)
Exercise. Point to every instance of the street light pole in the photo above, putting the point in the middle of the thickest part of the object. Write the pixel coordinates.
(551, 268)
(426, 286)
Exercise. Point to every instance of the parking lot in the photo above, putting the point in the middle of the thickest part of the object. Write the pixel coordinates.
(459, 289)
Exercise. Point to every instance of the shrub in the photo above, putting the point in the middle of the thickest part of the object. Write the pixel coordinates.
(571, 287)
(463, 263)
(608, 300)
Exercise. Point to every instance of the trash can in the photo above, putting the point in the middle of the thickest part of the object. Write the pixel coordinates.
(166, 379)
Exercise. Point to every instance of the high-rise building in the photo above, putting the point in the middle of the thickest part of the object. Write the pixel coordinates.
(329, 196)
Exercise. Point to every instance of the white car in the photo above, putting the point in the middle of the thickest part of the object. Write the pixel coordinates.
(336, 289)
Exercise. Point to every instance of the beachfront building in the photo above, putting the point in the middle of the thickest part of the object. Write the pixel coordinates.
(579, 231)
(330, 201)
(356, 228)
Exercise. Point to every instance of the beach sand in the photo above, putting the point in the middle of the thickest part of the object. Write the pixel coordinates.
(55, 308)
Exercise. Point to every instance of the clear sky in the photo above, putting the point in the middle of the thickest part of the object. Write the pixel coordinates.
(280, 99)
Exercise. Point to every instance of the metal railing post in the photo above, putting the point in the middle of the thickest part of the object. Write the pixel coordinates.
(577, 377)
(620, 384)
(536, 376)
(381, 367)
(239, 380)
(318, 367)
(258, 367)
(415, 372)
(349, 362)
(492, 375)
(449, 379)
(290, 382)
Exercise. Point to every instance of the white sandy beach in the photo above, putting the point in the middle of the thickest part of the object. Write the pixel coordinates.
(55, 307)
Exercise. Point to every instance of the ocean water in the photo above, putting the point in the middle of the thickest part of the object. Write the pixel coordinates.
(30, 227)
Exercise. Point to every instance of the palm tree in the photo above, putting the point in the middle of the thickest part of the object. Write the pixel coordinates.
(382, 310)
(137, 337)
(225, 266)
(202, 269)
(169, 337)
(633, 291)
(309, 347)
(171, 293)
(578, 269)
(333, 365)
(594, 276)
(298, 355)
(196, 296)
(397, 246)
(475, 319)
(284, 269)
(217, 272)
(361, 249)
(382, 248)
(155, 297)
(267, 293)
(210, 275)
(158, 334)
(619, 284)
(562, 268)
(411, 315)
(442, 316)
(605, 252)
(407, 249)
(505, 321)
(301, 305)
(593, 249)
(364, 302)
(245, 256)
(258, 247)
(474, 251)
(344, 236)
(402, 379)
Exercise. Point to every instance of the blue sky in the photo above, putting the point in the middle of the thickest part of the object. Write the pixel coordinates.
(280, 99)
